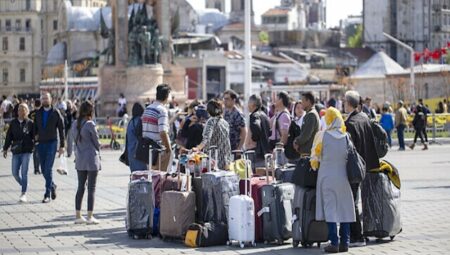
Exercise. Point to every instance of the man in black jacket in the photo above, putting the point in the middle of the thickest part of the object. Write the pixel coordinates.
(259, 131)
(48, 124)
(359, 128)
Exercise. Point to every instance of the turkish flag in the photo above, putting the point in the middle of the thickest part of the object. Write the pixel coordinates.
(444, 51)
(436, 54)
(417, 56)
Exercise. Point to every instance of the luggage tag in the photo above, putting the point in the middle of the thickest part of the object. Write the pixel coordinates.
(263, 210)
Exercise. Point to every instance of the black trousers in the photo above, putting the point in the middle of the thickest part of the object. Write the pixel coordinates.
(91, 178)
(356, 227)
(419, 133)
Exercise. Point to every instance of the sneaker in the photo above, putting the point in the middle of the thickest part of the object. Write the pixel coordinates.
(357, 243)
(331, 249)
(36, 172)
(46, 200)
(23, 198)
(343, 248)
(54, 192)
(81, 220)
(92, 221)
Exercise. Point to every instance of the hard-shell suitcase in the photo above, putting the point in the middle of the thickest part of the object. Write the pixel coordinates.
(139, 217)
(241, 220)
(217, 188)
(381, 206)
(177, 212)
(283, 170)
(305, 229)
(276, 209)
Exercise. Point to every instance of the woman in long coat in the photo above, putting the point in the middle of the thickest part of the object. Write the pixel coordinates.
(334, 202)
(134, 133)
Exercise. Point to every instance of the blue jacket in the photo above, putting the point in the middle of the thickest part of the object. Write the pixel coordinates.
(387, 122)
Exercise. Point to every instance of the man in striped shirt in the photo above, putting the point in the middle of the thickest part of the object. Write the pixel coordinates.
(155, 120)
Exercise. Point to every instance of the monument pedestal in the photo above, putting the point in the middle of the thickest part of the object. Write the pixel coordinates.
(136, 83)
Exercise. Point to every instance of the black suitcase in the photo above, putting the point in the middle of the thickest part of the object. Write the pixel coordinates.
(305, 229)
(285, 173)
(210, 234)
(140, 207)
(276, 209)
(303, 175)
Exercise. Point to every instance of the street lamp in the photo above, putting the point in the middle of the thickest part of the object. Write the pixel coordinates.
(411, 50)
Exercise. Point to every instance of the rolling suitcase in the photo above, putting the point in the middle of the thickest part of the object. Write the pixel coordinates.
(305, 229)
(381, 206)
(139, 217)
(177, 212)
(241, 220)
(217, 188)
(276, 209)
(303, 175)
(206, 234)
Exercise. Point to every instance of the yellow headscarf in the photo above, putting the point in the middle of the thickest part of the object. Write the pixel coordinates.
(335, 127)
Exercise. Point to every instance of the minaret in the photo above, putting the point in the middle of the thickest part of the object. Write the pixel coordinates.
(237, 14)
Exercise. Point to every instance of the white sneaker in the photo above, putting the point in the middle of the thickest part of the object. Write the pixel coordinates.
(23, 198)
(92, 221)
(81, 220)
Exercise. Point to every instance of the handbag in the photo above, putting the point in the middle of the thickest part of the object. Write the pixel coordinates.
(304, 176)
(143, 148)
(124, 157)
(356, 166)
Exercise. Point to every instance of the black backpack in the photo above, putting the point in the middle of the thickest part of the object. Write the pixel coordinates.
(289, 150)
(380, 138)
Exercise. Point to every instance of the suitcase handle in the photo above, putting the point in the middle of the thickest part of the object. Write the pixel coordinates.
(279, 148)
(247, 178)
(268, 159)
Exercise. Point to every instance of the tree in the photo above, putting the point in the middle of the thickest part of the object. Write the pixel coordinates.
(355, 41)
(264, 37)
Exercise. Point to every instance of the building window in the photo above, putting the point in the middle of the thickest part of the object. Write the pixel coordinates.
(28, 25)
(28, 5)
(22, 75)
(5, 44)
(22, 44)
(18, 24)
(55, 25)
(8, 25)
(5, 75)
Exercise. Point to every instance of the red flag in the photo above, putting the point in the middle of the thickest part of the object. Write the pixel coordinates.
(444, 51)
(436, 54)
(417, 56)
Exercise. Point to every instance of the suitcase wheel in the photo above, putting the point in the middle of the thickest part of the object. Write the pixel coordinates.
(228, 243)
(295, 244)
(266, 242)
(378, 240)
(318, 244)
(279, 242)
(241, 244)
(253, 244)
(392, 238)
(136, 237)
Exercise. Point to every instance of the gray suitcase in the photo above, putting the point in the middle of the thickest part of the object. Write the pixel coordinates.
(276, 210)
(140, 207)
(305, 229)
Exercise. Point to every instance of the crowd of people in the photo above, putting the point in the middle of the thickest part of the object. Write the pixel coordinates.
(307, 127)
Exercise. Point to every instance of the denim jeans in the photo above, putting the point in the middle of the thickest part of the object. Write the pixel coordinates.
(20, 169)
(47, 153)
(344, 232)
(401, 136)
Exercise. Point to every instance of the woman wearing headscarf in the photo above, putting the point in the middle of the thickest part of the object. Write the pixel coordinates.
(134, 133)
(334, 203)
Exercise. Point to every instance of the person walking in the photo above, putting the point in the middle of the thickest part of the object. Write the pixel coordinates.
(87, 161)
(387, 122)
(155, 123)
(32, 116)
(334, 199)
(48, 125)
(303, 143)
(20, 137)
(419, 123)
(359, 128)
(134, 133)
(235, 119)
(259, 131)
(401, 117)
(216, 133)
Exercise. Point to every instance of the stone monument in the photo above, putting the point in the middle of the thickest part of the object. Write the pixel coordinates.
(138, 56)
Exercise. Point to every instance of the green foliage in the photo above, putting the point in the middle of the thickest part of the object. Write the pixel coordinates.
(264, 37)
(355, 41)
(447, 57)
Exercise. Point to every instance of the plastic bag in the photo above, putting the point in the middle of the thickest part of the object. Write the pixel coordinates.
(62, 168)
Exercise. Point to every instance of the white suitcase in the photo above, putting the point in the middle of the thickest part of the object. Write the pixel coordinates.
(241, 220)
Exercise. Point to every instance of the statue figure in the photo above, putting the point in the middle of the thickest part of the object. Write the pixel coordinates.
(111, 48)
(133, 48)
(144, 41)
(156, 47)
